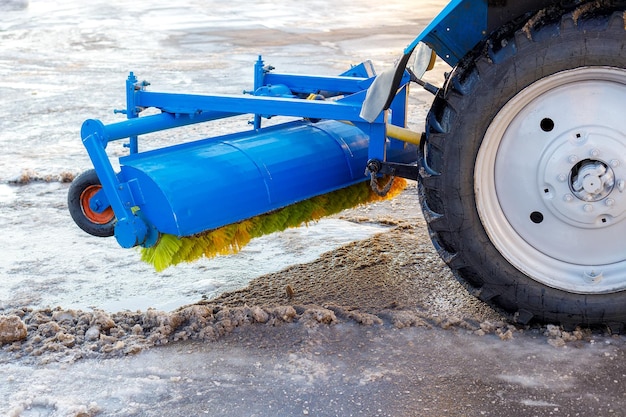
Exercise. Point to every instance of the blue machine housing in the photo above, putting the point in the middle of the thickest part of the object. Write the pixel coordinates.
(197, 186)
(462, 24)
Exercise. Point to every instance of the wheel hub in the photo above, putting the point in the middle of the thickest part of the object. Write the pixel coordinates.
(580, 175)
(549, 180)
(592, 180)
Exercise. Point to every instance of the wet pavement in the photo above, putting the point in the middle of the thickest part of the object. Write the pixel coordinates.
(340, 370)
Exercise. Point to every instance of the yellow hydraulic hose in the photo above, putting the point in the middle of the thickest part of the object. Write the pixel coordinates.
(403, 134)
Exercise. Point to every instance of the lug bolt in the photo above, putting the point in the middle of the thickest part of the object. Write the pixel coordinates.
(588, 208)
(562, 177)
(572, 159)
(568, 197)
(595, 153)
(614, 163)
(609, 202)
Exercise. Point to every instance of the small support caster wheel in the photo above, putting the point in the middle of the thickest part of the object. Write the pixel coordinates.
(82, 190)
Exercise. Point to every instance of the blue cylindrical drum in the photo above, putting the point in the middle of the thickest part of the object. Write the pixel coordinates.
(198, 186)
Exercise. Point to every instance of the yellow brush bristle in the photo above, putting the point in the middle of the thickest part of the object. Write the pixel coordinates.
(229, 239)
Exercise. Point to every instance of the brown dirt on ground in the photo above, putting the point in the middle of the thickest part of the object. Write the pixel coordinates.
(393, 274)
(390, 275)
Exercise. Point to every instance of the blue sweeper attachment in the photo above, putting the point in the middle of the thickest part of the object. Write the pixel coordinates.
(191, 187)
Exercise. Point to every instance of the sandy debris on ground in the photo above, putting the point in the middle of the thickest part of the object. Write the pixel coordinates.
(394, 278)
(12, 329)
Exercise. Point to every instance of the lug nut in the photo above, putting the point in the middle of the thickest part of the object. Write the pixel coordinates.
(593, 276)
(588, 208)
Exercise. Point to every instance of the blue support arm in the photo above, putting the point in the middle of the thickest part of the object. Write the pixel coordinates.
(130, 230)
(199, 104)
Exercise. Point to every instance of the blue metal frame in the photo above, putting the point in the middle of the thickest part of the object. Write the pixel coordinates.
(274, 94)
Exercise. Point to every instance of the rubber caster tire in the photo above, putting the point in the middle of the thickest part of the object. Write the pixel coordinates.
(80, 193)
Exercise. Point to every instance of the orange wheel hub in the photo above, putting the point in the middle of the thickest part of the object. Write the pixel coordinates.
(98, 218)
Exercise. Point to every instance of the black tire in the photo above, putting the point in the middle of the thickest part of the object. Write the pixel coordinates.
(454, 190)
(80, 192)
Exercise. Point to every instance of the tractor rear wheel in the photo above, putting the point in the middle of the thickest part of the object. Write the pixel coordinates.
(523, 169)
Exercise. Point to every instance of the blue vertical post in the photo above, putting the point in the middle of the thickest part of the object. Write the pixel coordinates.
(259, 75)
(377, 140)
(131, 110)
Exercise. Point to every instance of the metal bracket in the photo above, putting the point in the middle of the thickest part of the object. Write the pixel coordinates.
(394, 169)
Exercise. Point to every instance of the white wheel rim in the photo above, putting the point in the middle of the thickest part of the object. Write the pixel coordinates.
(550, 176)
